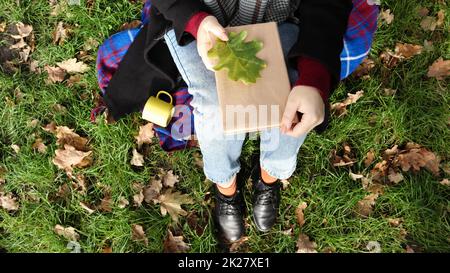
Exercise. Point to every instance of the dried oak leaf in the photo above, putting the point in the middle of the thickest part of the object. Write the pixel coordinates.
(145, 134)
(343, 158)
(439, 69)
(340, 108)
(8, 202)
(86, 207)
(69, 157)
(304, 245)
(138, 234)
(174, 244)
(238, 57)
(130, 25)
(139, 196)
(137, 159)
(364, 207)
(123, 202)
(69, 233)
(72, 66)
(445, 182)
(395, 222)
(65, 135)
(417, 158)
(299, 212)
(171, 203)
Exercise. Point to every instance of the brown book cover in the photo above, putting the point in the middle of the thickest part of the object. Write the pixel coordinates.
(253, 107)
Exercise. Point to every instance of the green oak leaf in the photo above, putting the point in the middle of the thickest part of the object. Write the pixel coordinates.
(238, 57)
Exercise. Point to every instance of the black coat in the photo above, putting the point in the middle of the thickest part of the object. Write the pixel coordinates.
(148, 67)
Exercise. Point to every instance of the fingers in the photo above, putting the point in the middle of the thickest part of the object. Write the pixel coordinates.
(219, 32)
(288, 116)
(305, 126)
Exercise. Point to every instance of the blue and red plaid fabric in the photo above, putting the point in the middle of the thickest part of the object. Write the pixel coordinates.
(357, 42)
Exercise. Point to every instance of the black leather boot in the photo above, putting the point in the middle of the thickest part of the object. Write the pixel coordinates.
(266, 200)
(229, 216)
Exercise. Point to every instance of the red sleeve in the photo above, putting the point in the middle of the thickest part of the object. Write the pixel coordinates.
(194, 23)
(313, 73)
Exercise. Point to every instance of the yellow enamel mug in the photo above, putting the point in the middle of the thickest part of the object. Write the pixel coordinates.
(158, 111)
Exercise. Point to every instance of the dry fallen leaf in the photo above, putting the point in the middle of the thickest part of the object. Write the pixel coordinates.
(439, 69)
(304, 245)
(171, 203)
(174, 244)
(8, 202)
(423, 11)
(428, 23)
(364, 68)
(138, 234)
(72, 66)
(87, 208)
(55, 74)
(15, 148)
(151, 193)
(106, 203)
(370, 156)
(60, 34)
(65, 135)
(240, 245)
(445, 182)
(69, 157)
(395, 177)
(39, 146)
(440, 18)
(170, 179)
(402, 51)
(387, 16)
(145, 135)
(22, 30)
(343, 158)
(374, 247)
(69, 233)
(364, 207)
(300, 214)
(340, 108)
(395, 222)
(137, 159)
(123, 202)
(130, 25)
(354, 176)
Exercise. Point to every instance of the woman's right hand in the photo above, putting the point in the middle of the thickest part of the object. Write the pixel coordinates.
(208, 31)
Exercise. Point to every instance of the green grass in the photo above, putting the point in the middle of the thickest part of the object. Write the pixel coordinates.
(418, 112)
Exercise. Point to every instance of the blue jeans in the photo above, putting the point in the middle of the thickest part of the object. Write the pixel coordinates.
(221, 151)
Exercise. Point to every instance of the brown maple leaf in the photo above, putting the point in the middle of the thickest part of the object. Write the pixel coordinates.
(72, 66)
(69, 157)
(174, 244)
(171, 203)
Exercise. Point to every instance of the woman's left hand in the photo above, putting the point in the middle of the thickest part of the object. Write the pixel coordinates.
(306, 100)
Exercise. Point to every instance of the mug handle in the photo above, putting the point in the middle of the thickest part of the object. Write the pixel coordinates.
(165, 93)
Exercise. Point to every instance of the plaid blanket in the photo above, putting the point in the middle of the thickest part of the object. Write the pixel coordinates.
(357, 42)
